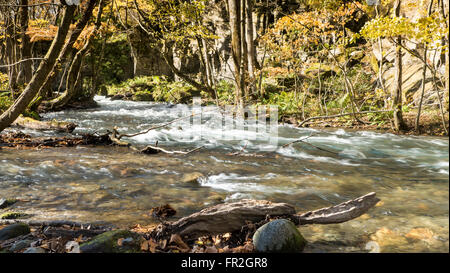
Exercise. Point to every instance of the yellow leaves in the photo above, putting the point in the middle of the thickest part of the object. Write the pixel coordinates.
(427, 30)
(41, 33)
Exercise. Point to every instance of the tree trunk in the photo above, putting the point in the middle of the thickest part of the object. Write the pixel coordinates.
(231, 217)
(424, 74)
(42, 72)
(234, 11)
(26, 45)
(74, 72)
(68, 48)
(397, 98)
(251, 51)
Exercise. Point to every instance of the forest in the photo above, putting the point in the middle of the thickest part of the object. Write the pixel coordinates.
(102, 150)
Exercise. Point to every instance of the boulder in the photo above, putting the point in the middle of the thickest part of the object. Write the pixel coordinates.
(13, 231)
(6, 202)
(17, 246)
(278, 236)
(116, 241)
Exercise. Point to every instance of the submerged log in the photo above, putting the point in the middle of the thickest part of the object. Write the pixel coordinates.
(60, 126)
(231, 217)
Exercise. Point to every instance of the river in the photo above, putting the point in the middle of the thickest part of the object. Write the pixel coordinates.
(409, 174)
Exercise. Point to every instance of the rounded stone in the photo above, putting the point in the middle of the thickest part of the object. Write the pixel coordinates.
(13, 231)
(279, 235)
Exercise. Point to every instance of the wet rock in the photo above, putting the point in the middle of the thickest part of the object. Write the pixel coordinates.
(112, 242)
(117, 97)
(278, 236)
(13, 231)
(191, 178)
(17, 246)
(13, 215)
(4, 203)
(34, 250)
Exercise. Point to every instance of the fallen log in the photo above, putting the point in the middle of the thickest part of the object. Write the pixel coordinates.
(231, 217)
(60, 223)
(30, 123)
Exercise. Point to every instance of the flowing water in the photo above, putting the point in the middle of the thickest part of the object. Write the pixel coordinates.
(409, 174)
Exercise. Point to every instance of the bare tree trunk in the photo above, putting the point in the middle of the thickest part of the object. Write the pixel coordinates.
(424, 73)
(46, 65)
(68, 48)
(397, 98)
(10, 52)
(74, 72)
(26, 45)
(234, 11)
(251, 50)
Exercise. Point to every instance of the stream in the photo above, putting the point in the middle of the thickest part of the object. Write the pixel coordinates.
(409, 174)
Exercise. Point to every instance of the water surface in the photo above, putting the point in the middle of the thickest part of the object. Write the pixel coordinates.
(409, 174)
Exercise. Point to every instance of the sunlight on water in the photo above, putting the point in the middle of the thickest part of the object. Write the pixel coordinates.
(409, 175)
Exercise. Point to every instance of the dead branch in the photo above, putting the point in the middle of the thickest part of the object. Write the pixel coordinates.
(59, 223)
(231, 217)
(341, 115)
(339, 213)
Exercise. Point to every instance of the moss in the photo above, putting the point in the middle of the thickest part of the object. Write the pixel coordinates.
(107, 243)
(6, 203)
(13, 215)
(143, 96)
(13, 231)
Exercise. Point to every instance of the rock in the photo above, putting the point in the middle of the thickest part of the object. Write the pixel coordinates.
(13, 231)
(17, 246)
(191, 178)
(34, 250)
(278, 236)
(109, 242)
(13, 215)
(117, 97)
(6, 202)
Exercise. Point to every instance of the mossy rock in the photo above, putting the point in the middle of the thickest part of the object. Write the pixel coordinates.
(279, 236)
(13, 231)
(108, 243)
(13, 215)
(143, 96)
(4, 203)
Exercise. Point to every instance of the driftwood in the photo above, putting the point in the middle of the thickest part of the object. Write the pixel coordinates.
(19, 139)
(59, 223)
(231, 217)
(60, 126)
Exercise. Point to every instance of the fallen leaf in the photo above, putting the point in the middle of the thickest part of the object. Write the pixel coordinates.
(144, 246)
(120, 241)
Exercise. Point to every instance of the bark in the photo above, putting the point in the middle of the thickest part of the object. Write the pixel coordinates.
(186, 78)
(424, 74)
(251, 51)
(41, 73)
(397, 97)
(26, 45)
(234, 12)
(231, 217)
(68, 48)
